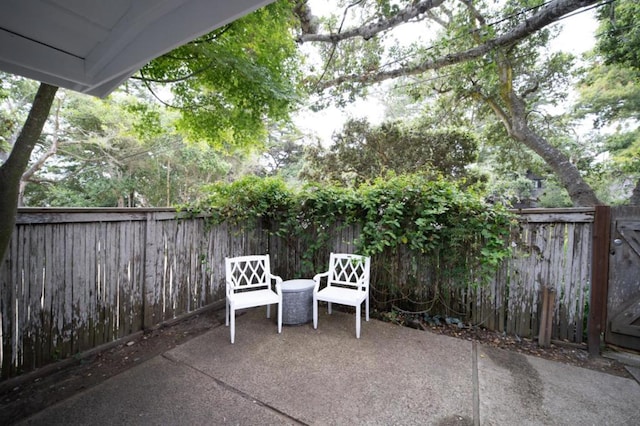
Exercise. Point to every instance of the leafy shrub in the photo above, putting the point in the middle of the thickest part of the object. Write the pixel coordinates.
(460, 237)
(246, 199)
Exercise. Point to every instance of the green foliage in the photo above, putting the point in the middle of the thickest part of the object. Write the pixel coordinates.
(16, 95)
(227, 82)
(362, 152)
(80, 190)
(619, 40)
(510, 189)
(119, 151)
(554, 196)
(284, 152)
(609, 93)
(432, 219)
(614, 176)
(247, 198)
(626, 149)
(148, 123)
(518, 86)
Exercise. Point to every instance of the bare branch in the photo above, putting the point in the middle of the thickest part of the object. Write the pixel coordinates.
(530, 90)
(543, 17)
(172, 80)
(371, 30)
(476, 14)
(437, 19)
(27, 176)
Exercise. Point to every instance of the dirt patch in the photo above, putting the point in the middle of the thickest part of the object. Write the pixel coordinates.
(25, 397)
(565, 352)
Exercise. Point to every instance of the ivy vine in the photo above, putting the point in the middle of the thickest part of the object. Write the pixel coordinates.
(464, 238)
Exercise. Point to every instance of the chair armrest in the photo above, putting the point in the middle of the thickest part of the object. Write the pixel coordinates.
(278, 283)
(316, 279)
(361, 283)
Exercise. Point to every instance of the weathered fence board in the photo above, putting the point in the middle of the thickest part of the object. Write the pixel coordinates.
(552, 254)
(77, 279)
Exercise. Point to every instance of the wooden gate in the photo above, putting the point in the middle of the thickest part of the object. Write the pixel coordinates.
(623, 301)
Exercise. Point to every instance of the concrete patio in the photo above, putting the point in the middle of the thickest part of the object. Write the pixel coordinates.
(391, 375)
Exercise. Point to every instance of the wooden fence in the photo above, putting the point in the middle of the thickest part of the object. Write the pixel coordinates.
(551, 248)
(74, 280)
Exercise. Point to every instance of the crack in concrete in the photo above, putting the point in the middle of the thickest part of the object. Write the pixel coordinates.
(475, 382)
(236, 391)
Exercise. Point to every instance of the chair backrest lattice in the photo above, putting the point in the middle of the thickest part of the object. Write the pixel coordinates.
(248, 272)
(349, 270)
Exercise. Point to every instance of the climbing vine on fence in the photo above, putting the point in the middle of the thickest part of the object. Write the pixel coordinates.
(464, 238)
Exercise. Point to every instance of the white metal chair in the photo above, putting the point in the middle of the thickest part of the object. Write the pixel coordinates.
(249, 283)
(347, 284)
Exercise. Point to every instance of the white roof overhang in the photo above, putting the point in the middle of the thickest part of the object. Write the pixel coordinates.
(92, 46)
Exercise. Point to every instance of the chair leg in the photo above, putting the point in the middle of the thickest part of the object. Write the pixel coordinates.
(315, 313)
(268, 311)
(358, 322)
(329, 307)
(280, 317)
(233, 325)
(367, 308)
(226, 314)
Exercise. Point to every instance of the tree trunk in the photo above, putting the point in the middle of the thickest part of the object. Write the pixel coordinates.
(512, 111)
(12, 169)
(580, 192)
(634, 200)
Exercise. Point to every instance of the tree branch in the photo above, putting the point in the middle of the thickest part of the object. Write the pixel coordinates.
(28, 174)
(634, 200)
(212, 36)
(437, 19)
(172, 80)
(375, 28)
(476, 14)
(530, 90)
(544, 17)
(497, 110)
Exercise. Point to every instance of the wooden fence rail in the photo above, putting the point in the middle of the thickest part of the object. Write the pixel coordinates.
(76, 279)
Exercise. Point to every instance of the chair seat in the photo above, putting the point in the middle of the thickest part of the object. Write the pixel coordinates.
(250, 299)
(344, 296)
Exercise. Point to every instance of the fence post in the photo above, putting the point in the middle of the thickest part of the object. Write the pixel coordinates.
(546, 318)
(599, 278)
(148, 283)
